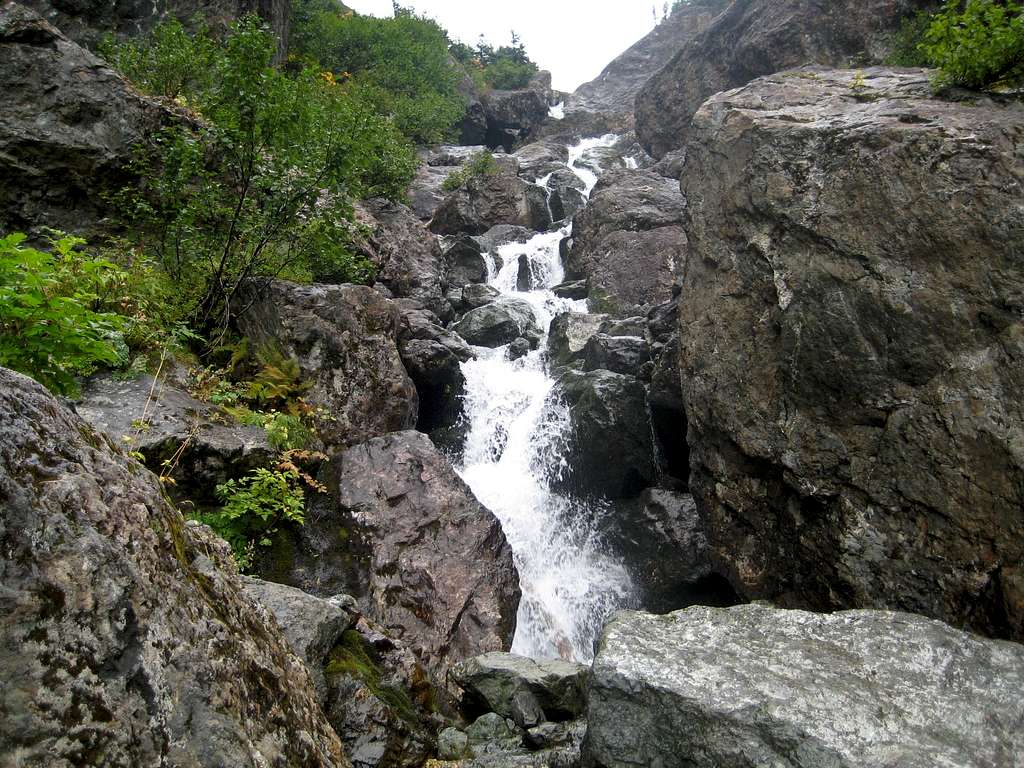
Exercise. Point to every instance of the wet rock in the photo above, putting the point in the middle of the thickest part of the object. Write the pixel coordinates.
(403, 534)
(526, 712)
(571, 289)
(661, 538)
(663, 320)
(344, 338)
(671, 166)
(311, 625)
(627, 326)
(474, 296)
(499, 323)
(110, 608)
(537, 158)
(668, 412)
(491, 683)
(426, 190)
(569, 334)
(408, 258)
(615, 89)
(489, 200)
(380, 700)
(164, 422)
(513, 116)
(759, 37)
(746, 686)
(620, 354)
(856, 446)
(518, 348)
(440, 384)
(452, 744)
(549, 735)
(503, 234)
(628, 242)
(490, 727)
(524, 277)
(68, 130)
(466, 262)
(608, 451)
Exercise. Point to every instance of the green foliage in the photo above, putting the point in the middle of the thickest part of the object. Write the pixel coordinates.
(397, 66)
(253, 509)
(352, 657)
(505, 68)
(52, 325)
(480, 164)
(170, 63)
(265, 190)
(977, 44)
(906, 42)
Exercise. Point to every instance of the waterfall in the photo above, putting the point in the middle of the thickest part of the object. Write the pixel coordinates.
(569, 584)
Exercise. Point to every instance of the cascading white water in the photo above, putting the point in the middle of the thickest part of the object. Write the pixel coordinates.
(569, 584)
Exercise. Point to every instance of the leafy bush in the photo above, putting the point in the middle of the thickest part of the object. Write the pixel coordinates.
(480, 164)
(254, 508)
(399, 66)
(265, 190)
(977, 44)
(51, 324)
(170, 63)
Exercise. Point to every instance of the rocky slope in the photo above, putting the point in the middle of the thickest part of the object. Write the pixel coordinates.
(758, 37)
(851, 331)
(127, 638)
(615, 89)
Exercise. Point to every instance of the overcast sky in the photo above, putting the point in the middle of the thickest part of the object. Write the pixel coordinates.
(574, 39)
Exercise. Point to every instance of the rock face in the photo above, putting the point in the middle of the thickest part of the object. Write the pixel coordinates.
(127, 638)
(486, 201)
(403, 534)
(851, 330)
(758, 37)
(408, 257)
(67, 129)
(344, 339)
(757, 686)
(615, 89)
(87, 22)
(608, 449)
(159, 428)
(514, 116)
(628, 242)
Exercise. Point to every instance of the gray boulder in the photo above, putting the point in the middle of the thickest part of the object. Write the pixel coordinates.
(758, 37)
(68, 128)
(753, 685)
(474, 296)
(163, 422)
(344, 338)
(488, 200)
(502, 234)
(628, 242)
(499, 323)
(619, 354)
(858, 445)
(404, 535)
(513, 117)
(540, 157)
(125, 635)
(494, 682)
(466, 262)
(565, 194)
(608, 450)
(569, 334)
(571, 289)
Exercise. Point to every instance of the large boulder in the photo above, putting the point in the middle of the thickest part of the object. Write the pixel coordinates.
(852, 322)
(615, 89)
(126, 637)
(569, 334)
(513, 117)
(758, 37)
(68, 128)
(466, 262)
(407, 256)
(628, 242)
(404, 535)
(751, 685)
(608, 450)
(488, 200)
(168, 426)
(343, 337)
(498, 323)
(497, 682)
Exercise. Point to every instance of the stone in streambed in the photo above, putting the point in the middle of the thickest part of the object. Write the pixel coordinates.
(499, 323)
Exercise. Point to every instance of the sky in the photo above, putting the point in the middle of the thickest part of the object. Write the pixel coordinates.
(574, 39)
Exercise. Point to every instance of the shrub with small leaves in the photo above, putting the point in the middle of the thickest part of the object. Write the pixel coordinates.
(978, 44)
(479, 165)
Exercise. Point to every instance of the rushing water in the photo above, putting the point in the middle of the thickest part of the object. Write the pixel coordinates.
(569, 584)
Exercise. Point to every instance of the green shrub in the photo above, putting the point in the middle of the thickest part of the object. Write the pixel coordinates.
(480, 164)
(505, 68)
(170, 62)
(52, 327)
(265, 190)
(977, 44)
(400, 66)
